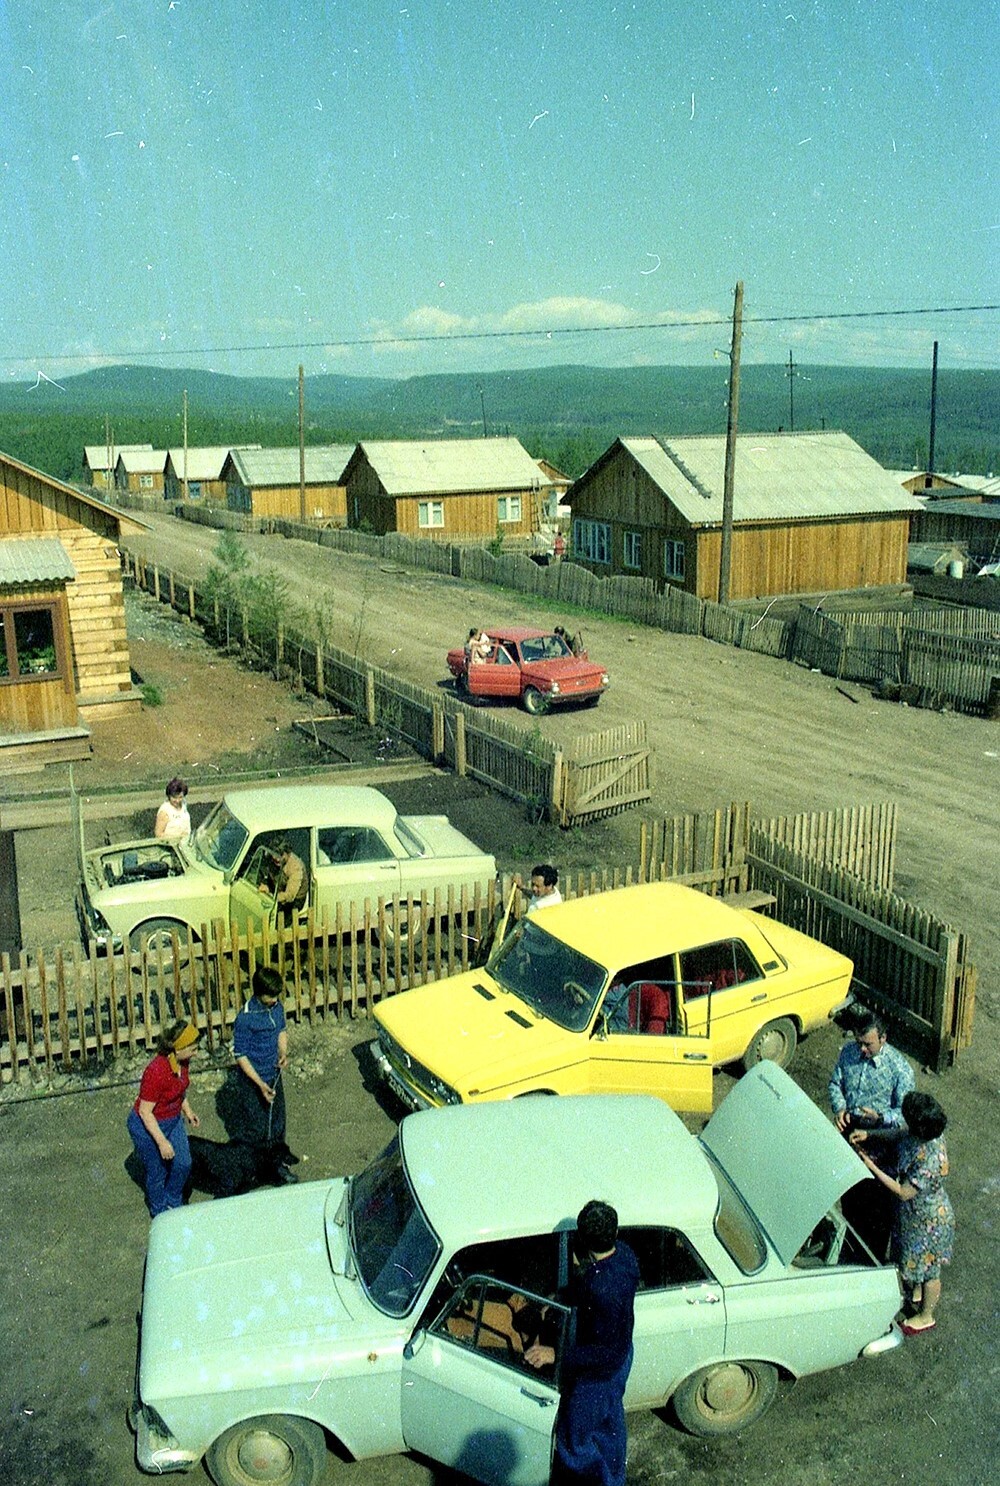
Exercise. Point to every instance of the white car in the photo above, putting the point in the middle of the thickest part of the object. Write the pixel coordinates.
(390, 1311)
(353, 844)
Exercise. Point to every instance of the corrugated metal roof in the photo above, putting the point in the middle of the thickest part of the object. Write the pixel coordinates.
(778, 477)
(96, 455)
(202, 464)
(143, 461)
(33, 560)
(452, 466)
(325, 464)
(975, 510)
(979, 484)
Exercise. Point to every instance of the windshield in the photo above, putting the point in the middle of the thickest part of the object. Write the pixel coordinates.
(550, 976)
(411, 843)
(393, 1246)
(544, 647)
(220, 838)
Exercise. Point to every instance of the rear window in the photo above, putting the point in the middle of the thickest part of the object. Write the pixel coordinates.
(734, 1225)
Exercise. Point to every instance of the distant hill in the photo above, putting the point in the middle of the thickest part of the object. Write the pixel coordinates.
(569, 414)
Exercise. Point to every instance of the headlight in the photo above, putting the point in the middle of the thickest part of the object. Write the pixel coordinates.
(554, 688)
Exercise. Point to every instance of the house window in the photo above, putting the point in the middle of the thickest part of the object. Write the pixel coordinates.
(509, 508)
(430, 513)
(145, 482)
(673, 560)
(27, 643)
(632, 549)
(592, 541)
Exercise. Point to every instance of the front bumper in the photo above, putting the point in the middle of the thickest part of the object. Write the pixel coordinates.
(406, 1093)
(156, 1450)
(887, 1342)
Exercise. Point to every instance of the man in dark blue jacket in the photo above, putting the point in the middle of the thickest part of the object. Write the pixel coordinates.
(590, 1430)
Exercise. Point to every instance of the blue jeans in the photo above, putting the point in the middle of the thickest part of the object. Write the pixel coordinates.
(165, 1180)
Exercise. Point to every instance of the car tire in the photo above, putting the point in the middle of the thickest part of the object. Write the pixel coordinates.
(774, 1043)
(276, 1449)
(534, 701)
(725, 1398)
(157, 934)
(405, 926)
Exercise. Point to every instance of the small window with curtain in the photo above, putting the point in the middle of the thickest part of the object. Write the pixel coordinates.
(632, 552)
(28, 643)
(509, 508)
(430, 513)
(673, 560)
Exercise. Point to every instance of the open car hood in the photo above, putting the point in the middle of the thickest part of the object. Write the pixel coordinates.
(785, 1158)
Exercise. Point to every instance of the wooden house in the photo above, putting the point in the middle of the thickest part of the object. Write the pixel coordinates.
(972, 525)
(445, 489)
(812, 512)
(99, 462)
(140, 471)
(64, 657)
(267, 483)
(196, 474)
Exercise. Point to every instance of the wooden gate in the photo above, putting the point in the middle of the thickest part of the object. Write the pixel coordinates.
(602, 773)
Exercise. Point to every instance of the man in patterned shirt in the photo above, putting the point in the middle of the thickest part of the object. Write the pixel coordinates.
(867, 1089)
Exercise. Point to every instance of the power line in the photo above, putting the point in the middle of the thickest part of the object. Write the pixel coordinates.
(496, 335)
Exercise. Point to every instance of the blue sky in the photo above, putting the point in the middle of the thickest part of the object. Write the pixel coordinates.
(192, 181)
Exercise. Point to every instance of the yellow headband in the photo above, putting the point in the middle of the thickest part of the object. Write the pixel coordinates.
(189, 1035)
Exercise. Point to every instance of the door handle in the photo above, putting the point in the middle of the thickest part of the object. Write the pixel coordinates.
(708, 1299)
(755, 999)
(543, 1401)
(696, 1057)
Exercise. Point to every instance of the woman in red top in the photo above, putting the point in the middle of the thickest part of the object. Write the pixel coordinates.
(156, 1120)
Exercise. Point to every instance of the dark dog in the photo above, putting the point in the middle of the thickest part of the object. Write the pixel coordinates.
(227, 1168)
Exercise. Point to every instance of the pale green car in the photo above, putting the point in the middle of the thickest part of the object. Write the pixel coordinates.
(353, 844)
(390, 1311)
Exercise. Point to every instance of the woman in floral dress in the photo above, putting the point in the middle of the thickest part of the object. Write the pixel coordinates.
(924, 1228)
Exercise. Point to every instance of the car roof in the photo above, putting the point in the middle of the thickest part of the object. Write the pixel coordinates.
(652, 919)
(511, 1167)
(290, 805)
(516, 633)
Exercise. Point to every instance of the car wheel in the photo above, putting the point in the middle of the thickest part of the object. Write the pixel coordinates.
(155, 938)
(774, 1043)
(403, 924)
(534, 701)
(725, 1397)
(275, 1449)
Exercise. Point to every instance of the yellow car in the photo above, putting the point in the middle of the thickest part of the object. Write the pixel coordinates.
(643, 990)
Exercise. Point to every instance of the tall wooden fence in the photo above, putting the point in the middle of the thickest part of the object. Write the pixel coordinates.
(603, 773)
(64, 1009)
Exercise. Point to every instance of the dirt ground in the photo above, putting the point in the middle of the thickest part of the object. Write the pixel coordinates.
(725, 725)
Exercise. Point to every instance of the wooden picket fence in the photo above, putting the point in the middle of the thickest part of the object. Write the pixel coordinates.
(828, 874)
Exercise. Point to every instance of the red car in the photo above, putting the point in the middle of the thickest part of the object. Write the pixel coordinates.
(532, 665)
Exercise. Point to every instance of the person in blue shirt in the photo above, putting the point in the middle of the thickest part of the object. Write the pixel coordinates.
(260, 1047)
(591, 1437)
(867, 1089)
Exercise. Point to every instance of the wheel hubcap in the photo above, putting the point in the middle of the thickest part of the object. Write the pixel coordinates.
(264, 1457)
(728, 1390)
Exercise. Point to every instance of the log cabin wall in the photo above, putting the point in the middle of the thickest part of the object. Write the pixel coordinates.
(46, 702)
(30, 505)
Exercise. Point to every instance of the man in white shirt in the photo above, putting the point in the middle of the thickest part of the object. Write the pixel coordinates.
(544, 888)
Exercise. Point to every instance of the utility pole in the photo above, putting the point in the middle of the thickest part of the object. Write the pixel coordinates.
(302, 446)
(791, 394)
(726, 551)
(109, 472)
(185, 476)
(930, 450)
(482, 403)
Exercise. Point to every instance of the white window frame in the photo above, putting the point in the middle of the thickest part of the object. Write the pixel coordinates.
(632, 550)
(508, 508)
(592, 541)
(145, 482)
(674, 559)
(430, 514)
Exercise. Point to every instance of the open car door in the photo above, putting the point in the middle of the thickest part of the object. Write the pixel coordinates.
(469, 1398)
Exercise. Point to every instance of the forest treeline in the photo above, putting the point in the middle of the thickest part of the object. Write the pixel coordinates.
(568, 415)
